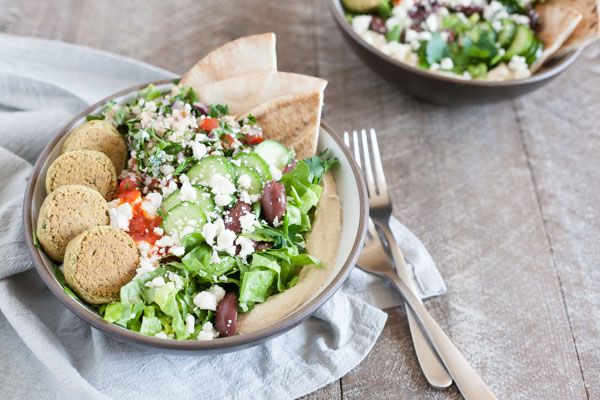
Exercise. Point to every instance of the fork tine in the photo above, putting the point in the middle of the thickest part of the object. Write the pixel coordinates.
(371, 229)
(368, 170)
(346, 139)
(377, 164)
(356, 146)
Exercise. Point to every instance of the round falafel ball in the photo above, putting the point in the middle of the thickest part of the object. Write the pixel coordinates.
(101, 136)
(65, 213)
(83, 167)
(98, 262)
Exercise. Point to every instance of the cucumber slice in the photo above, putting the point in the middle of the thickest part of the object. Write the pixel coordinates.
(535, 52)
(521, 44)
(256, 184)
(184, 217)
(202, 172)
(507, 33)
(203, 199)
(254, 161)
(274, 153)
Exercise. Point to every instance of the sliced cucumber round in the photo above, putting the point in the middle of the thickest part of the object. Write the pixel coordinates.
(203, 199)
(507, 33)
(254, 161)
(206, 168)
(274, 153)
(522, 42)
(535, 51)
(255, 183)
(185, 217)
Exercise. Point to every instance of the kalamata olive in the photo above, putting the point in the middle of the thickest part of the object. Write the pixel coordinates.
(201, 108)
(290, 166)
(226, 315)
(378, 25)
(274, 201)
(262, 246)
(232, 220)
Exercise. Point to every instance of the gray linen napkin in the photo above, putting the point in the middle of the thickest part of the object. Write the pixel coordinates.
(47, 352)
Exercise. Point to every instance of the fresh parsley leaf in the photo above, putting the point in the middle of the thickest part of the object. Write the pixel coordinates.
(120, 116)
(216, 110)
(150, 92)
(176, 81)
(181, 167)
(250, 120)
(320, 164)
(191, 96)
(94, 117)
(173, 148)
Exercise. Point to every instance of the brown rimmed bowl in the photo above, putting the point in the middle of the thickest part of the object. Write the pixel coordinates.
(439, 88)
(351, 190)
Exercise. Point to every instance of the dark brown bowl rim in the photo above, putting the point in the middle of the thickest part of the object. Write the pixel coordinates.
(560, 65)
(238, 341)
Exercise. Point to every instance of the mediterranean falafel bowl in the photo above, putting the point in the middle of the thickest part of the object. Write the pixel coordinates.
(171, 219)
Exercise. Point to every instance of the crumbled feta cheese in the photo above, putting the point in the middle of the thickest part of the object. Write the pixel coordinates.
(152, 203)
(214, 257)
(244, 181)
(198, 150)
(222, 199)
(205, 301)
(361, 23)
(189, 323)
(187, 191)
(518, 65)
(161, 335)
(176, 279)
(520, 19)
(246, 246)
(217, 291)
(221, 185)
(158, 230)
(177, 250)
(165, 241)
(169, 188)
(432, 22)
(209, 231)
(225, 241)
(167, 169)
(247, 222)
(156, 282)
(447, 64)
(434, 67)
(120, 215)
(275, 173)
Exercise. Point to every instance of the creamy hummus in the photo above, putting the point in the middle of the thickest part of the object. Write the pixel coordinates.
(323, 243)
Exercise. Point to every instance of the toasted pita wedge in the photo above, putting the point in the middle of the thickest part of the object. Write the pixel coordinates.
(587, 30)
(243, 93)
(292, 120)
(558, 22)
(246, 54)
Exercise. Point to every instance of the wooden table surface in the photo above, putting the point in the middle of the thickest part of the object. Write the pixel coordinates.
(504, 196)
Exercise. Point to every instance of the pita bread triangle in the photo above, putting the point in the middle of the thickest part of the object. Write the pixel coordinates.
(243, 93)
(587, 30)
(293, 120)
(247, 54)
(559, 21)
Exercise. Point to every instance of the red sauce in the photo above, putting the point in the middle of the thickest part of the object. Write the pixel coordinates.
(141, 226)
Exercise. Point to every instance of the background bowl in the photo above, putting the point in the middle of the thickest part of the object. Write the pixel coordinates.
(439, 88)
(351, 191)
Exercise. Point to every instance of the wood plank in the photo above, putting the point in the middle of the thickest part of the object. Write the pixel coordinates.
(561, 128)
(459, 178)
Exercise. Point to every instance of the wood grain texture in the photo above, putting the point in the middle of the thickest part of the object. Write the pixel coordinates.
(504, 196)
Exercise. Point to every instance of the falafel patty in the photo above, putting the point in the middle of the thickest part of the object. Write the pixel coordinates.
(83, 167)
(101, 136)
(65, 213)
(98, 262)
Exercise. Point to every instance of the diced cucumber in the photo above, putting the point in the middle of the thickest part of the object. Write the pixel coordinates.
(394, 34)
(256, 183)
(185, 217)
(522, 42)
(207, 167)
(507, 33)
(203, 199)
(254, 161)
(274, 153)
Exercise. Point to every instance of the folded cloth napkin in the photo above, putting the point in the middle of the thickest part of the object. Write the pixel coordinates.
(48, 352)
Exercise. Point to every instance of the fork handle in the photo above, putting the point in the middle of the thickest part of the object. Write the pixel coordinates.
(431, 365)
(470, 384)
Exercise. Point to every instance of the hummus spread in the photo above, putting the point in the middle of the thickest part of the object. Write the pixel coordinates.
(323, 243)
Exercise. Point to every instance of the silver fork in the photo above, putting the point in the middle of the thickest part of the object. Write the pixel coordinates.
(467, 380)
(374, 254)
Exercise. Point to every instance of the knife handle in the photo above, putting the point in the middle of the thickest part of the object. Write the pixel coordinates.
(431, 365)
